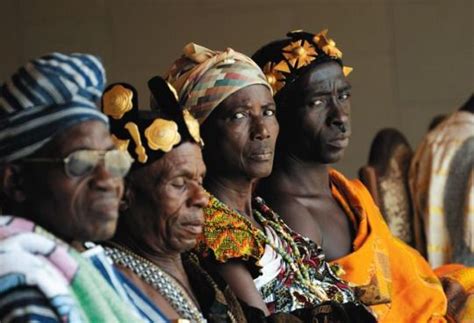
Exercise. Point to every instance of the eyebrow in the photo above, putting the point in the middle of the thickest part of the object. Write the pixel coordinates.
(345, 88)
(187, 172)
(67, 151)
(248, 105)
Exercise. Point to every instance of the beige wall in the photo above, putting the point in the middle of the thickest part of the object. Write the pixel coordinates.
(413, 59)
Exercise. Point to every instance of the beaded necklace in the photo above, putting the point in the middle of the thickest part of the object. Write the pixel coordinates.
(164, 283)
(299, 268)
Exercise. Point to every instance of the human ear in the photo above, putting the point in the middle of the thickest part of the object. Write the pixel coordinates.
(127, 199)
(12, 182)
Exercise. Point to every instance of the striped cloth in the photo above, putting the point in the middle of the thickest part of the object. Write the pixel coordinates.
(71, 289)
(442, 187)
(45, 97)
(204, 78)
(123, 286)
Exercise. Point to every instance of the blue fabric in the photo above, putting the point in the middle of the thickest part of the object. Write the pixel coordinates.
(124, 287)
(45, 97)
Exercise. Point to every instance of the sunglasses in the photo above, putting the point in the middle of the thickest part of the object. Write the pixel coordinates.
(83, 162)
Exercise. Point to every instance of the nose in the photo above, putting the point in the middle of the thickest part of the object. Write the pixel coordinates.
(199, 197)
(259, 129)
(338, 116)
(103, 180)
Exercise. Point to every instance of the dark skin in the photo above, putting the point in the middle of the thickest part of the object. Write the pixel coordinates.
(315, 136)
(75, 209)
(162, 215)
(240, 137)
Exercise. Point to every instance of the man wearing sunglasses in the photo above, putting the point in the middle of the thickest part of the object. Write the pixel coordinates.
(61, 181)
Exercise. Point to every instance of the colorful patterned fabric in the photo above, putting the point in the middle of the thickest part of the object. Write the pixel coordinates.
(45, 97)
(284, 293)
(442, 188)
(204, 78)
(381, 264)
(31, 257)
(227, 237)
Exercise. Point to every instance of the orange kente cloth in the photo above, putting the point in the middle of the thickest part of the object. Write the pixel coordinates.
(392, 274)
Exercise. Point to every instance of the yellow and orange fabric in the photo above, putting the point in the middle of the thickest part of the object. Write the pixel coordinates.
(392, 277)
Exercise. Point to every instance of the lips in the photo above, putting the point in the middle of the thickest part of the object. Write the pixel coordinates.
(339, 143)
(262, 156)
(194, 226)
(107, 207)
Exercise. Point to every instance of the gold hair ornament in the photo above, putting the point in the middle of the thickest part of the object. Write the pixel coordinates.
(327, 44)
(117, 101)
(162, 135)
(299, 53)
(193, 126)
(135, 133)
(274, 77)
(120, 144)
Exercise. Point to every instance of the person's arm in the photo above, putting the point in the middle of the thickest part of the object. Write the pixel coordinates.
(26, 304)
(237, 276)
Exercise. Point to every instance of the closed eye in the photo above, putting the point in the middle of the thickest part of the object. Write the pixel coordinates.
(178, 182)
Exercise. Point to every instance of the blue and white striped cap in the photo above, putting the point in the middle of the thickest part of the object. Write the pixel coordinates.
(45, 97)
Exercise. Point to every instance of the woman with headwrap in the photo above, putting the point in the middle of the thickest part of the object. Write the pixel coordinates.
(161, 213)
(266, 264)
(61, 181)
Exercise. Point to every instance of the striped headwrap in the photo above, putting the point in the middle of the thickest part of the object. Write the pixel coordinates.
(204, 78)
(45, 97)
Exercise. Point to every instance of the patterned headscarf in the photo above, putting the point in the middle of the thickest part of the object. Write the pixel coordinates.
(204, 78)
(283, 61)
(46, 97)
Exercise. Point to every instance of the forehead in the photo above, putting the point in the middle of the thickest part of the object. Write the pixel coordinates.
(249, 95)
(323, 76)
(186, 159)
(85, 135)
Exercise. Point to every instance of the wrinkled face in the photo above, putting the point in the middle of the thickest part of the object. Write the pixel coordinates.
(240, 134)
(168, 198)
(76, 208)
(323, 115)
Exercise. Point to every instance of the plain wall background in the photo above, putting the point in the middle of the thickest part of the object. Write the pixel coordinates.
(412, 59)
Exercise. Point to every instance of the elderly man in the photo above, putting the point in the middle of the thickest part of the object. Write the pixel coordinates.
(161, 216)
(61, 183)
(313, 107)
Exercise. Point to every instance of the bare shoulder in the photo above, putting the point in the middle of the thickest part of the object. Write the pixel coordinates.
(296, 215)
